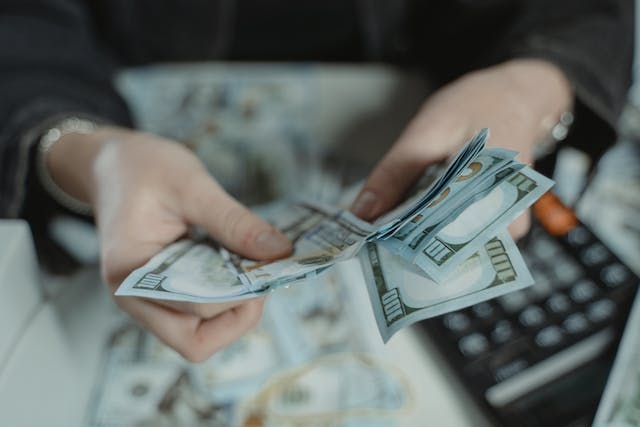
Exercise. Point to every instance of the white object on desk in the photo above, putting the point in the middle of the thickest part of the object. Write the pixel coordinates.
(38, 382)
(38, 385)
(21, 295)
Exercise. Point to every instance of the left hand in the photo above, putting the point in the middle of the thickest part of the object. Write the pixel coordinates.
(146, 192)
(518, 101)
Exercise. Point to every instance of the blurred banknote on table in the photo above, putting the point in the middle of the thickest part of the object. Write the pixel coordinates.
(146, 383)
(242, 125)
(443, 248)
(341, 390)
(620, 403)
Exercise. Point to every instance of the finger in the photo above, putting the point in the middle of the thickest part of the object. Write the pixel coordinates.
(170, 326)
(520, 226)
(208, 205)
(195, 339)
(220, 331)
(428, 139)
(200, 310)
(389, 181)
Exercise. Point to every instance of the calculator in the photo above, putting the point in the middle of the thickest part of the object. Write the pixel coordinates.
(541, 356)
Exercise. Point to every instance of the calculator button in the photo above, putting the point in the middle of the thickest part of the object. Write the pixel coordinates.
(509, 369)
(484, 310)
(473, 345)
(614, 275)
(579, 236)
(601, 310)
(558, 303)
(502, 332)
(513, 301)
(544, 248)
(549, 336)
(532, 316)
(541, 288)
(512, 358)
(456, 322)
(567, 271)
(595, 254)
(583, 291)
(576, 323)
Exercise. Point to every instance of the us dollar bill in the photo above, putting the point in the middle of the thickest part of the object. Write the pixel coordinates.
(430, 186)
(486, 172)
(401, 295)
(620, 403)
(201, 271)
(187, 270)
(341, 389)
(321, 237)
(486, 211)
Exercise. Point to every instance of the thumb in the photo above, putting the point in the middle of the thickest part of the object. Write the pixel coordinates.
(387, 184)
(206, 204)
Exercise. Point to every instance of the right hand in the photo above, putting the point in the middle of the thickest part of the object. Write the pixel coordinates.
(515, 99)
(145, 192)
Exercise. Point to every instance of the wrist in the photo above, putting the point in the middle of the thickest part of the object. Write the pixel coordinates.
(70, 161)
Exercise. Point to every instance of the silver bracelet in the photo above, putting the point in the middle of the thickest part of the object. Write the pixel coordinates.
(47, 141)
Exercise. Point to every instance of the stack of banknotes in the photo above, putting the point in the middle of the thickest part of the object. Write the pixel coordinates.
(620, 403)
(443, 248)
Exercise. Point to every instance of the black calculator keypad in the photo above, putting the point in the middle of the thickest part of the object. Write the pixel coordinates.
(581, 289)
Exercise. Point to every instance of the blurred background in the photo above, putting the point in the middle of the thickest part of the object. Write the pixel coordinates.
(536, 357)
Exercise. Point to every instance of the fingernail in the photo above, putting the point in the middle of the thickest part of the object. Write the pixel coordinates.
(272, 242)
(366, 205)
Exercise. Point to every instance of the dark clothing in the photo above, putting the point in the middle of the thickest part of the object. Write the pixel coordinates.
(58, 56)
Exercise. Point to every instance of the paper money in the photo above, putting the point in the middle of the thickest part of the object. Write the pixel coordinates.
(450, 201)
(477, 223)
(620, 403)
(401, 295)
(133, 394)
(343, 389)
(200, 271)
(442, 237)
(428, 187)
(144, 383)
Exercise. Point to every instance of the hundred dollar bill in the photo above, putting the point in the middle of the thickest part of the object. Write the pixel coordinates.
(486, 172)
(438, 248)
(321, 237)
(430, 186)
(340, 390)
(186, 271)
(620, 403)
(200, 271)
(401, 295)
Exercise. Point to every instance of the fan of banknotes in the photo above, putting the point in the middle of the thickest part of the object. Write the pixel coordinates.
(443, 248)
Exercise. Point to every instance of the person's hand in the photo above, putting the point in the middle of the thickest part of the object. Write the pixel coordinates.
(519, 101)
(145, 193)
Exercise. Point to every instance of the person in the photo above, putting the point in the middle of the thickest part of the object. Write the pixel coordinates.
(513, 66)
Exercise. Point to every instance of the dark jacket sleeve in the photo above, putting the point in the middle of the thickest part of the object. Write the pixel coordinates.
(590, 40)
(50, 66)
